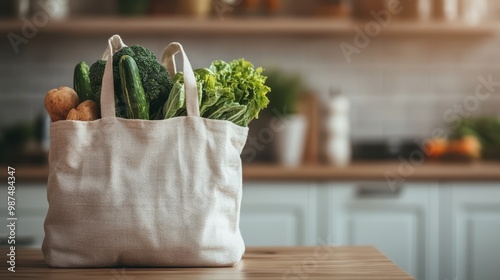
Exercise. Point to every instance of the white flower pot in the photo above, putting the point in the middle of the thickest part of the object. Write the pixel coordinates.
(290, 140)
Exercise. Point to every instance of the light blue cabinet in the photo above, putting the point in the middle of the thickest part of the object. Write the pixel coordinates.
(402, 223)
(279, 214)
(31, 208)
(475, 231)
(445, 231)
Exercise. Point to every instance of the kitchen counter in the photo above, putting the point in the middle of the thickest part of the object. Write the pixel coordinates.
(341, 263)
(358, 171)
(377, 171)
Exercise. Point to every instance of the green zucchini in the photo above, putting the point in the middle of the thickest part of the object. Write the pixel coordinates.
(137, 106)
(81, 82)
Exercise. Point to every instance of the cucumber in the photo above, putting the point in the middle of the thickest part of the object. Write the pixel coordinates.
(134, 97)
(81, 82)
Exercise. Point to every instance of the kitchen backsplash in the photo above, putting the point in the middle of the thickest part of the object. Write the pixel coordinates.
(399, 86)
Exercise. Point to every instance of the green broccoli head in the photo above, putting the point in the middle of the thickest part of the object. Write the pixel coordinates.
(155, 79)
(96, 73)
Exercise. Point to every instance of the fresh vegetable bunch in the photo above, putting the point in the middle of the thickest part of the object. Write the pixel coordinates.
(154, 78)
(486, 130)
(234, 91)
(464, 148)
(474, 138)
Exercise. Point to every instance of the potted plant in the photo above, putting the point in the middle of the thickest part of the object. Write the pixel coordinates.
(287, 124)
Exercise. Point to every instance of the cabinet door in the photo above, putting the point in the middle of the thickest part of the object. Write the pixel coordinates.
(278, 214)
(475, 210)
(402, 223)
(31, 208)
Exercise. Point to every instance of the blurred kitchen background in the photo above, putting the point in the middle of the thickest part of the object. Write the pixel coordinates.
(383, 127)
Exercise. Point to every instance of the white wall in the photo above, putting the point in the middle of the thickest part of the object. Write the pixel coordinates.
(400, 86)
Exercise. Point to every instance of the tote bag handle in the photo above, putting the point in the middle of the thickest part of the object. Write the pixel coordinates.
(168, 61)
(115, 43)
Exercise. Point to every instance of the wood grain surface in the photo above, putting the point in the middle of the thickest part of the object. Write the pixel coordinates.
(244, 26)
(377, 171)
(286, 263)
(310, 107)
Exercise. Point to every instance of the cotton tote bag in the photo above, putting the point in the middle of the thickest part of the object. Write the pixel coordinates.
(144, 193)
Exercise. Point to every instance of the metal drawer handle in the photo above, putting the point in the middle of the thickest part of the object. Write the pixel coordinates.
(379, 190)
(24, 241)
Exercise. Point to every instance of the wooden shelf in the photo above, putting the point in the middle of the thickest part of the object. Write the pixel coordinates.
(363, 171)
(244, 26)
(376, 171)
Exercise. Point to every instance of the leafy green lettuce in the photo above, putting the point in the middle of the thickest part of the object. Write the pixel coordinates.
(234, 91)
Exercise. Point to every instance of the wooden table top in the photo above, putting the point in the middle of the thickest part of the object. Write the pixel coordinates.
(340, 263)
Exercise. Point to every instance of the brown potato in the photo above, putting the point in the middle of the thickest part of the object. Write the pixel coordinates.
(59, 102)
(86, 111)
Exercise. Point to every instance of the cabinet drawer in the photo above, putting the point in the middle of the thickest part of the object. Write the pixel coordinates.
(278, 214)
(30, 199)
(395, 219)
(29, 231)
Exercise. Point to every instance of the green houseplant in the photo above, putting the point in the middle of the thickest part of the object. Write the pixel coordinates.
(286, 90)
(288, 125)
